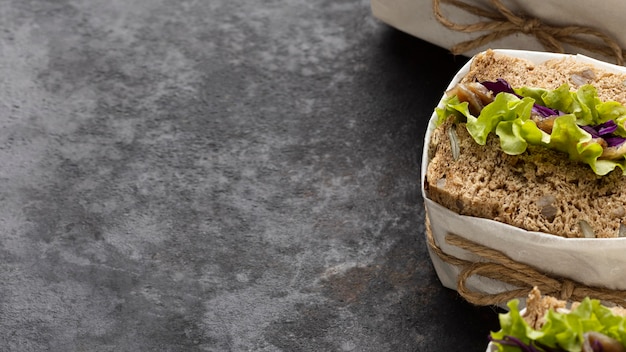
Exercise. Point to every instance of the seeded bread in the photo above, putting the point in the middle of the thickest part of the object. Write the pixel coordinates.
(540, 189)
(489, 66)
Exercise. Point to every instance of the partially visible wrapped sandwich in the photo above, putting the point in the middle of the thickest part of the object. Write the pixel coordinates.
(550, 325)
(537, 146)
(524, 162)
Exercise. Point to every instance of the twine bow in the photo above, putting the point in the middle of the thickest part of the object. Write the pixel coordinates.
(502, 22)
(500, 267)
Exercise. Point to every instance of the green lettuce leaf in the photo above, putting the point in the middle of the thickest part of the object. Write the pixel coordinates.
(587, 98)
(512, 324)
(582, 103)
(505, 108)
(560, 99)
(612, 110)
(569, 138)
(452, 107)
(564, 330)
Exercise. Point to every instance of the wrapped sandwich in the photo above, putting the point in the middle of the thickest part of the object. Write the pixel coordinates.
(525, 155)
(540, 147)
(549, 324)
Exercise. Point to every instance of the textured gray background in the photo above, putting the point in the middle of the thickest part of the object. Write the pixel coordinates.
(217, 176)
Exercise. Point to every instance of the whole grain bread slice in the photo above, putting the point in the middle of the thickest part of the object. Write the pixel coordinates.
(540, 189)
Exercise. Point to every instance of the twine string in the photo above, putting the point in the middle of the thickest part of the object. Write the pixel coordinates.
(495, 265)
(501, 22)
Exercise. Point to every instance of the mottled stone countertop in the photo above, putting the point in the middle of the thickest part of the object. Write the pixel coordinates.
(218, 176)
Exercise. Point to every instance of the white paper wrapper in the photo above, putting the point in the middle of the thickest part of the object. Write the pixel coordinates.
(590, 261)
(416, 18)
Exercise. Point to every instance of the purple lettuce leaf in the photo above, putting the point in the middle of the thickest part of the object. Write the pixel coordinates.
(606, 128)
(605, 131)
(614, 141)
(524, 347)
(499, 86)
(545, 111)
(514, 341)
(592, 131)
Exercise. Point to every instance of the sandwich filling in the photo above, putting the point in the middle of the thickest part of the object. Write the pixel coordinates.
(577, 122)
(547, 325)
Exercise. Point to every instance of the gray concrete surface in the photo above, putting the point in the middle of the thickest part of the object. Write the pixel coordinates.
(217, 176)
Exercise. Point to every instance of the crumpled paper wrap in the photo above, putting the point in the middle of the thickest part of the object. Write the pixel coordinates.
(589, 261)
(416, 17)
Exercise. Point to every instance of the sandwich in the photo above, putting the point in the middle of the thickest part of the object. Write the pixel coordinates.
(541, 147)
(549, 324)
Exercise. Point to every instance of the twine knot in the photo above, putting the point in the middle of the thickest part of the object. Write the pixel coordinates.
(495, 265)
(501, 22)
(531, 25)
